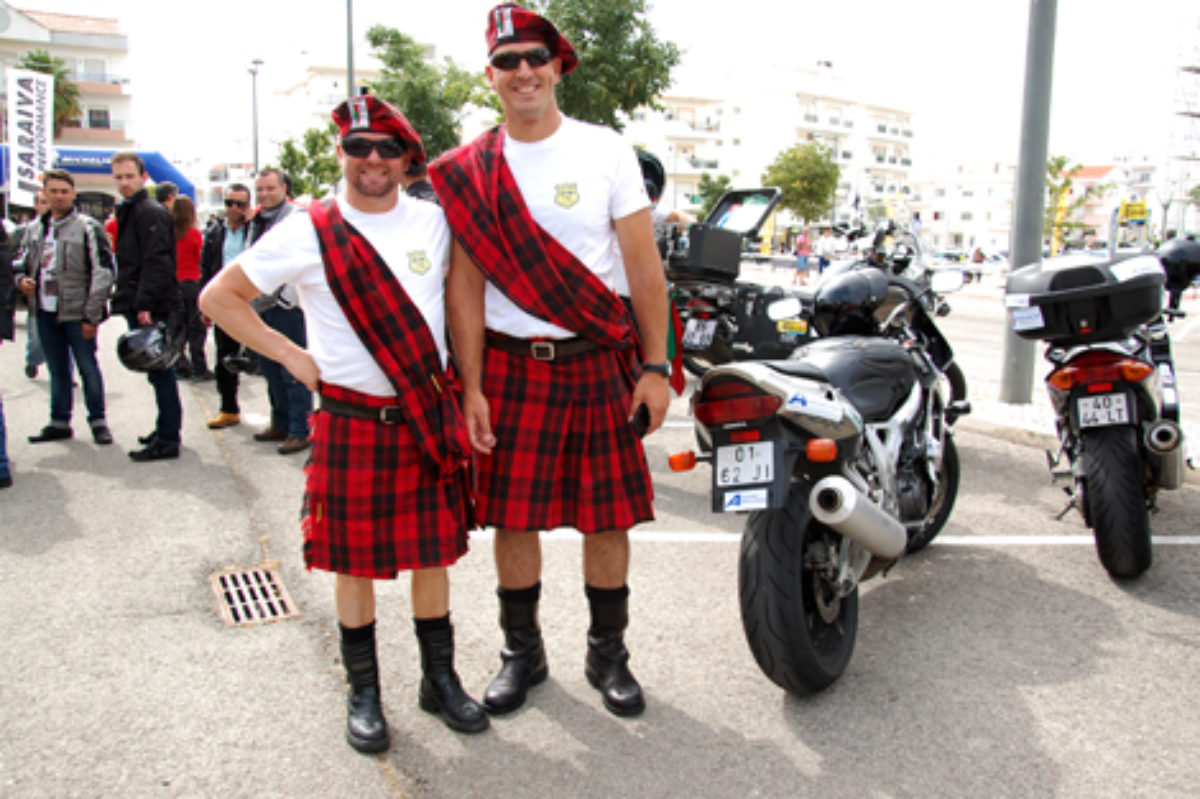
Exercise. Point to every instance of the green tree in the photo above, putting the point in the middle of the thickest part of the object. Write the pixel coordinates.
(1194, 196)
(66, 94)
(1060, 182)
(433, 97)
(622, 63)
(312, 164)
(710, 190)
(807, 176)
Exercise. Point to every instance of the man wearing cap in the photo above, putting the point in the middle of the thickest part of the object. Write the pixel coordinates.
(547, 351)
(387, 485)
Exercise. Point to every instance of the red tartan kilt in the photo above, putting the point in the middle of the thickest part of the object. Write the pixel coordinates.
(372, 508)
(566, 454)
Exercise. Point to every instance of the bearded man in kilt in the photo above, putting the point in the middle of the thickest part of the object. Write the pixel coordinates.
(387, 483)
(548, 354)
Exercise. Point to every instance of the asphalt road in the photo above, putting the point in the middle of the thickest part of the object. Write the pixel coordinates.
(1002, 661)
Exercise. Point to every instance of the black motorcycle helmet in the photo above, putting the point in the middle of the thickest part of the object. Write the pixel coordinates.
(146, 349)
(653, 173)
(1181, 261)
(845, 303)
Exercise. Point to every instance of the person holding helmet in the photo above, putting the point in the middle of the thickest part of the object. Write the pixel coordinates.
(147, 291)
(552, 384)
(387, 485)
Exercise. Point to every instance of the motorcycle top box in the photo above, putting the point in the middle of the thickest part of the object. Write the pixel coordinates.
(714, 250)
(1078, 300)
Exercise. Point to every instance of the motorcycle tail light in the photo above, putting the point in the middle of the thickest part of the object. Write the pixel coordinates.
(821, 450)
(745, 436)
(734, 401)
(1099, 367)
(682, 461)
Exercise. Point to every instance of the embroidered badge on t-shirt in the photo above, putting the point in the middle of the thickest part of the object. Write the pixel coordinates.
(418, 262)
(566, 194)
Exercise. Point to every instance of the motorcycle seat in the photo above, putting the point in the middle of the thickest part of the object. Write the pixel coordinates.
(875, 374)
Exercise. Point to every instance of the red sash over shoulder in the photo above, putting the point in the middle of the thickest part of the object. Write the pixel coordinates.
(489, 218)
(395, 333)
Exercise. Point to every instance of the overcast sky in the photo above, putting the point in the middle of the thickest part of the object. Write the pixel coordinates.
(958, 64)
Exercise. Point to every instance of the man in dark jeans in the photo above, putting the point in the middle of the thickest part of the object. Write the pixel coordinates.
(67, 272)
(291, 401)
(147, 291)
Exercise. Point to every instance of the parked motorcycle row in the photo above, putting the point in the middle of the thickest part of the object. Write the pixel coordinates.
(826, 415)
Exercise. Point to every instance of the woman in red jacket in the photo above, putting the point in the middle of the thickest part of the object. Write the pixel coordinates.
(187, 272)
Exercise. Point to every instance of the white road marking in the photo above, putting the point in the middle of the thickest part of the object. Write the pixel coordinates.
(698, 537)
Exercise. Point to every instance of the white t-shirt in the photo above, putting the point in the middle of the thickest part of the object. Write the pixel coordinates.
(48, 274)
(413, 240)
(575, 183)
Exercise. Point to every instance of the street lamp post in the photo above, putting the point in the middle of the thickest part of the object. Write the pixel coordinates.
(254, 65)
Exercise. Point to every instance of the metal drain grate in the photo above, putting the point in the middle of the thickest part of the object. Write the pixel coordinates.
(252, 596)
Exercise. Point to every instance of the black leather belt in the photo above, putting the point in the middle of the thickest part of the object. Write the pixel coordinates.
(541, 350)
(388, 414)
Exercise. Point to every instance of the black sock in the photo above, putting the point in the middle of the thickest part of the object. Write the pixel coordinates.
(431, 625)
(355, 635)
(521, 596)
(606, 595)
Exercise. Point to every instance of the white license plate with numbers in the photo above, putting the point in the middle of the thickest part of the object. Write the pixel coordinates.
(1102, 410)
(745, 464)
(698, 334)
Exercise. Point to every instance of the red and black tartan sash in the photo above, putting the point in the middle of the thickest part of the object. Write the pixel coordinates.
(393, 330)
(489, 218)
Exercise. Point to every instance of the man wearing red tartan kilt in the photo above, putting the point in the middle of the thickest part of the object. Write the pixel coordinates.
(555, 397)
(387, 484)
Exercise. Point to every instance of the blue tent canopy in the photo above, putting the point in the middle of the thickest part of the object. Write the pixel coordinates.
(97, 161)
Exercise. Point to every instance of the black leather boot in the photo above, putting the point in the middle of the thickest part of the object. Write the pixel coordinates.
(366, 728)
(441, 691)
(607, 656)
(523, 658)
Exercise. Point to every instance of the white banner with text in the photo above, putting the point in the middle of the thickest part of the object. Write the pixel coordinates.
(30, 132)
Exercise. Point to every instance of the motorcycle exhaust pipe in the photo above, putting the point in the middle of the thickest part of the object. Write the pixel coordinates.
(836, 503)
(1164, 450)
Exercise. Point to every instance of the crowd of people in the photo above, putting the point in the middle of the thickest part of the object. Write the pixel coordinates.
(458, 323)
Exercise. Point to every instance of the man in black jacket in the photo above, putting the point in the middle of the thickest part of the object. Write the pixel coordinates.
(6, 334)
(147, 291)
(224, 241)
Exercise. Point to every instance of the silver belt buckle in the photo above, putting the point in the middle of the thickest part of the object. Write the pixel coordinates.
(542, 350)
(390, 418)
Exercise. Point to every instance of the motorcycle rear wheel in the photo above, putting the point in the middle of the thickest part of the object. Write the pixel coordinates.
(1116, 499)
(800, 634)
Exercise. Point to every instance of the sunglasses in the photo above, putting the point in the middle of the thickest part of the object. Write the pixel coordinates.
(537, 57)
(236, 203)
(358, 147)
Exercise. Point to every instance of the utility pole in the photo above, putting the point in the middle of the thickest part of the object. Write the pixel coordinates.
(254, 65)
(1025, 247)
(349, 48)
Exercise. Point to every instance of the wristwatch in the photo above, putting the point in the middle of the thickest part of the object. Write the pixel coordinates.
(663, 368)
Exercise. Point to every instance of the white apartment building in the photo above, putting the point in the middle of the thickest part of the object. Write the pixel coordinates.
(965, 206)
(94, 52)
(739, 136)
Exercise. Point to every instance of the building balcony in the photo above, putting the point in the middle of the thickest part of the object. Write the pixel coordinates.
(112, 87)
(74, 133)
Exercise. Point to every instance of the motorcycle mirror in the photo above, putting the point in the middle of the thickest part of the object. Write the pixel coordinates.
(944, 281)
(783, 309)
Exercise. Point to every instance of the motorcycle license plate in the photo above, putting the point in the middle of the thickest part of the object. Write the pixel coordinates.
(698, 334)
(1102, 410)
(745, 464)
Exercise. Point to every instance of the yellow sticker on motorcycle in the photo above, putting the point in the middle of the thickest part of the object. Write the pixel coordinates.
(792, 325)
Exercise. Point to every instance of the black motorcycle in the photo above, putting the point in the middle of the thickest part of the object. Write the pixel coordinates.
(723, 319)
(1112, 386)
(843, 455)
